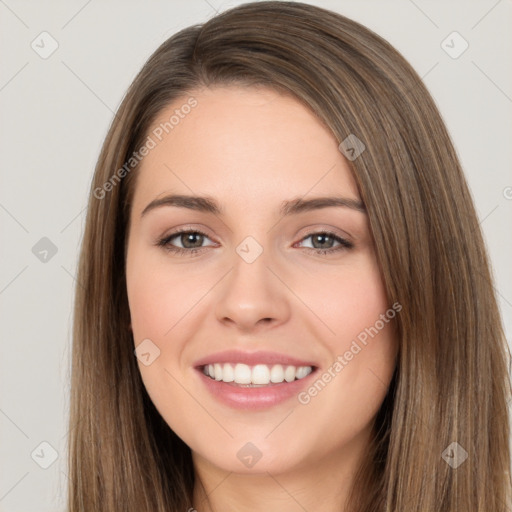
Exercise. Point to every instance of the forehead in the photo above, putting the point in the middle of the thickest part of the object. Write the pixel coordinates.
(245, 144)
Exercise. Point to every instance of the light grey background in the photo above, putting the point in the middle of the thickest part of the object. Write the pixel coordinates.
(55, 113)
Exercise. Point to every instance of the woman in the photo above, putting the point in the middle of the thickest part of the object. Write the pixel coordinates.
(286, 301)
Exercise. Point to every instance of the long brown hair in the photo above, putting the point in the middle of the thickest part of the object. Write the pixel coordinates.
(448, 397)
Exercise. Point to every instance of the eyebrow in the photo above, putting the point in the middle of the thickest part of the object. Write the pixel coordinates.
(209, 205)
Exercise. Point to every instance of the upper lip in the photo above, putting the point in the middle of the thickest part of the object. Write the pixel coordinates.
(252, 358)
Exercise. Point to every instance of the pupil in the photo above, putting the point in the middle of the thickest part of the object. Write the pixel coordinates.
(320, 237)
(190, 237)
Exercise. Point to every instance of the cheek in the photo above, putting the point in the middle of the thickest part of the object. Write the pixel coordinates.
(362, 342)
(347, 301)
(156, 296)
(151, 307)
(157, 301)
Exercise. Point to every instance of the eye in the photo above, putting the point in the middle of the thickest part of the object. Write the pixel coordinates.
(191, 240)
(324, 241)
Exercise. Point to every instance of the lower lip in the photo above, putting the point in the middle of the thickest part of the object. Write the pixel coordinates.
(262, 397)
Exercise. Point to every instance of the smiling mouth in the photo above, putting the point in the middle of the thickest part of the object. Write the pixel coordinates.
(260, 375)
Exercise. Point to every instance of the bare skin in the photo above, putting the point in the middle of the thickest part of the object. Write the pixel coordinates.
(251, 149)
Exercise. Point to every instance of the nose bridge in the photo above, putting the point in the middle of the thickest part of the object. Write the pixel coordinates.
(251, 292)
(250, 278)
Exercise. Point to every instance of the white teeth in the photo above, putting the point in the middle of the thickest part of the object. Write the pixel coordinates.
(290, 373)
(228, 374)
(302, 372)
(242, 374)
(277, 373)
(217, 368)
(260, 374)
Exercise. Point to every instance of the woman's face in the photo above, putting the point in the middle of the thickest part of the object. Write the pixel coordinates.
(269, 278)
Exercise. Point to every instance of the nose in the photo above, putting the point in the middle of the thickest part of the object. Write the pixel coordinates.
(252, 296)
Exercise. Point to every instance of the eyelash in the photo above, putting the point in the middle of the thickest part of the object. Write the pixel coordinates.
(165, 243)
